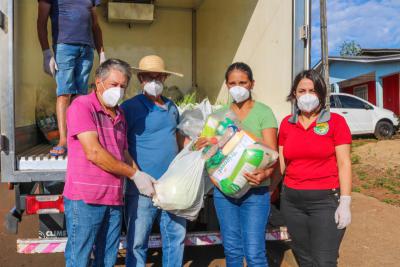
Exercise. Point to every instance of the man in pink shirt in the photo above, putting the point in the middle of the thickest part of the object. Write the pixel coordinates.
(97, 163)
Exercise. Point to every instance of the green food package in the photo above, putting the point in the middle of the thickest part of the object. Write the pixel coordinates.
(251, 159)
(246, 156)
(213, 162)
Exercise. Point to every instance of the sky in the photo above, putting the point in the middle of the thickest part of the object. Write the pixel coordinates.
(370, 23)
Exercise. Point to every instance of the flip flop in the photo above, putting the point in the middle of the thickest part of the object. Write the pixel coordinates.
(58, 148)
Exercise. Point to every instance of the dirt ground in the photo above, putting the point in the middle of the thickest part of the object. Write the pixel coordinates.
(373, 238)
(376, 169)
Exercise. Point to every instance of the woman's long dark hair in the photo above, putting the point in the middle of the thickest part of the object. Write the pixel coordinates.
(319, 86)
(242, 67)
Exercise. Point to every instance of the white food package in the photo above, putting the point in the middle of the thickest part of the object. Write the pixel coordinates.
(180, 190)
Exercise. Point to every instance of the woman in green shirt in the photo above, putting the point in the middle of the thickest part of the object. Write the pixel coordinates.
(243, 221)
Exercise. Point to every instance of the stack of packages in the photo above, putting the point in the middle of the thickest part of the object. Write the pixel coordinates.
(233, 153)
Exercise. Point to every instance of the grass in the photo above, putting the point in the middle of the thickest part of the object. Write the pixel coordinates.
(366, 186)
(356, 189)
(390, 172)
(362, 175)
(355, 159)
(388, 183)
(358, 144)
(391, 201)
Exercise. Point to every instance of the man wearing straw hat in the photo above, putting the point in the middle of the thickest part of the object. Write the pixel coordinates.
(153, 144)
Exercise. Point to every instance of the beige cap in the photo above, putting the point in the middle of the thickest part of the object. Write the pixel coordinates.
(153, 63)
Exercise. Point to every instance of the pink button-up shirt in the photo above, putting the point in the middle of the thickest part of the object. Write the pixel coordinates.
(85, 180)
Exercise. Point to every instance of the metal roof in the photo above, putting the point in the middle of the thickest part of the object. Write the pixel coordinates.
(379, 51)
(361, 59)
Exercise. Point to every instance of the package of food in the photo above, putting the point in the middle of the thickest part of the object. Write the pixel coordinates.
(242, 154)
(180, 190)
(217, 123)
(210, 127)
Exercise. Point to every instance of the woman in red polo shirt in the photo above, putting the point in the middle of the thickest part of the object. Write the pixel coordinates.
(314, 148)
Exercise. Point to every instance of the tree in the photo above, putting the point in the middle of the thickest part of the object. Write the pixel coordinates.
(350, 48)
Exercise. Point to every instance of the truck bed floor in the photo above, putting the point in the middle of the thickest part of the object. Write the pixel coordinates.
(38, 158)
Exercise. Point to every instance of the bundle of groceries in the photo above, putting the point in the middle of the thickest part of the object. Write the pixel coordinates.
(233, 153)
(181, 189)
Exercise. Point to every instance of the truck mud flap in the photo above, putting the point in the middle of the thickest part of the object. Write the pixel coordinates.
(54, 245)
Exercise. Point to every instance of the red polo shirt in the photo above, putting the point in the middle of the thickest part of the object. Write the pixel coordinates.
(309, 154)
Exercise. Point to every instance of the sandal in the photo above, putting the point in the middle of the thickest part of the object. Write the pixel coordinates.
(61, 151)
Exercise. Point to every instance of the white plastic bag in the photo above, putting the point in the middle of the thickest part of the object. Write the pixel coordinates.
(191, 123)
(192, 120)
(180, 190)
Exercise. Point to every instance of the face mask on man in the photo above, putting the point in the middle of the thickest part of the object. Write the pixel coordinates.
(307, 102)
(153, 88)
(239, 93)
(112, 96)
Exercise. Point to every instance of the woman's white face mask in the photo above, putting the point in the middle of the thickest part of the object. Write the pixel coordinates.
(239, 93)
(307, 102)
(112, 96)
(153, 88)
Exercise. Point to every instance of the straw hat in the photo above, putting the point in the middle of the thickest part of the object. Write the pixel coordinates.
(153, 63)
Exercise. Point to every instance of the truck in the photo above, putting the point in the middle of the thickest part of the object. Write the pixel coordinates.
(198, 38)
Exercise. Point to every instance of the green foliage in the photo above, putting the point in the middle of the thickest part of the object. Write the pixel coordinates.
(391, 201)
(388, 183)
(350, 48)
(356, 189)
(362, 175)
(187, 99)
(358, 144)
(365, 186)
(355, 159)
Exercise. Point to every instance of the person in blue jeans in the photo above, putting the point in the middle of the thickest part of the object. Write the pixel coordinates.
(243, 221)
(97, 166)
(76, 32)
(153, 143)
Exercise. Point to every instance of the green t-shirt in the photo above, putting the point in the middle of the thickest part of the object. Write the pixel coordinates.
(259, 118)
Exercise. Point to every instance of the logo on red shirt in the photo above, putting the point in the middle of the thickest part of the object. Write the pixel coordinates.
(321, 128)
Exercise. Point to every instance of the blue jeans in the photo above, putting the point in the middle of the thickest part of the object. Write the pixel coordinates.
(140, 215)
(243, 224)
(74, 64)
(92, 225)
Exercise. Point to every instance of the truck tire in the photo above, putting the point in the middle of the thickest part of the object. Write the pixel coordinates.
(384, 130)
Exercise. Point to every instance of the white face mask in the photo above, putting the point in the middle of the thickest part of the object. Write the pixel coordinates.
(239, 93)
(307, 102)
(153, 88)
(112, 96)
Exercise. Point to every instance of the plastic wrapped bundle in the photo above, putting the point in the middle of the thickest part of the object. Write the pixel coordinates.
(240, 155)
(180, 190)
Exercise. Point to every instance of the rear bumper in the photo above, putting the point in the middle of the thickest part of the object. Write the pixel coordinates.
(55, 245)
